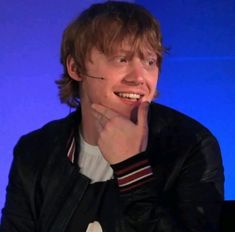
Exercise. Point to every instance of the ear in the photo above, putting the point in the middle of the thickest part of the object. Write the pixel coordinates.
(72, 68)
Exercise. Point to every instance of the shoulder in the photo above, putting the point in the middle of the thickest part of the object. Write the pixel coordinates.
(46, 137)
(172, 131)
(165, 118)
(181, 139)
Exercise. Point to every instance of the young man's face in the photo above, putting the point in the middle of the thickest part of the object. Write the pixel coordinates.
(128, 80)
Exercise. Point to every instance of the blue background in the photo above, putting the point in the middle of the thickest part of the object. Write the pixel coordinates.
(198, 76)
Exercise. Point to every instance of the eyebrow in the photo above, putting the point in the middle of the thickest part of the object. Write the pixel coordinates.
(130, 52)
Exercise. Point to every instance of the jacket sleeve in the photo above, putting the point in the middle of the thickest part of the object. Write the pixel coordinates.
(197, 192)
(17, 215)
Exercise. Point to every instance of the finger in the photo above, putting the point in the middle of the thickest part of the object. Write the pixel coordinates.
(143, 114)
(100, 118)
(106, 112)
(99, 127)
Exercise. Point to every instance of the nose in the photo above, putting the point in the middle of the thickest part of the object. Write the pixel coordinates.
(135, 74)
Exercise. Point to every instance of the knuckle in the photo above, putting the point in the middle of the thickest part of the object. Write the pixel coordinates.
(108, 125)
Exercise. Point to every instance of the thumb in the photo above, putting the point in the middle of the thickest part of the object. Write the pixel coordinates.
(143, 114)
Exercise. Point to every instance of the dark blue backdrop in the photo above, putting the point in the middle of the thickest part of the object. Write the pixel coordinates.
(198, 75)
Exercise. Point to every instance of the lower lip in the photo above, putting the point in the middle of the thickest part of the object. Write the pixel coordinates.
(130, 102)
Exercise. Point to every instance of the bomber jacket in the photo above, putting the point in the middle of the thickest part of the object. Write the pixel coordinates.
(185, 193)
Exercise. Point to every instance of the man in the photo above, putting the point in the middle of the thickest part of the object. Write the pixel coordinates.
(117, 163)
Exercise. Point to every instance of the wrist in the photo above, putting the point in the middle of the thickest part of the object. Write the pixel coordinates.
(133, 172)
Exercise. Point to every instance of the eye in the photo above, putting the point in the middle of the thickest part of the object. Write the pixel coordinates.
(150, 63)
(121, 59)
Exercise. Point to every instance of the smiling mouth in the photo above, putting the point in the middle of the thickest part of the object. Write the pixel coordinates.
(129, 96)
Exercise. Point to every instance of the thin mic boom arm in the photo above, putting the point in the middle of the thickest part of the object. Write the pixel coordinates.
(100, 78)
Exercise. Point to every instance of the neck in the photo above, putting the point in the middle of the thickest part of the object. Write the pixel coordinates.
(88, 127)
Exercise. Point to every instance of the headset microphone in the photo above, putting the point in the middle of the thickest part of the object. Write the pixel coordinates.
(99, 78)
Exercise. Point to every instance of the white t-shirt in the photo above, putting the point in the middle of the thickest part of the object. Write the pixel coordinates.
(92, 163)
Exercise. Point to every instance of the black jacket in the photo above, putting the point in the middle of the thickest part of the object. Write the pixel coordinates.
(186, 194)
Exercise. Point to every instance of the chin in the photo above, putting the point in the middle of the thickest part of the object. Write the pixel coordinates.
(129, 112)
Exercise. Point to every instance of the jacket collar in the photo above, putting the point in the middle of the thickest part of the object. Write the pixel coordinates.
(62, 184)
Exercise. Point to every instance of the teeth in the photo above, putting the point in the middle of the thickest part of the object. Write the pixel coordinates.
(132, 96)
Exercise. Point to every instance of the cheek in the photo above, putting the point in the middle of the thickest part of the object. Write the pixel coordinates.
(97, 90)
(153, 84)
